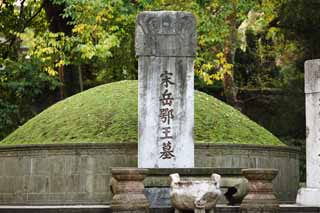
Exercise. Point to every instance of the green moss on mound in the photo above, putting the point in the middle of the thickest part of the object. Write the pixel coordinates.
(108, 113)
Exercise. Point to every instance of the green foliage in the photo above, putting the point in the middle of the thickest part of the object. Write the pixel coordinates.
(21, 82)
(217, 23)
(262, 42)
(99, 29)
(108, 113)
(273, 51)
(213, 29)
(103, 34)
(14, 20)
(103, 31)
(20, 87)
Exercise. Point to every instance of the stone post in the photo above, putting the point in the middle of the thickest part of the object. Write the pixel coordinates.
(260, 197)
(310, 196)
(166, 48)
(128, 189)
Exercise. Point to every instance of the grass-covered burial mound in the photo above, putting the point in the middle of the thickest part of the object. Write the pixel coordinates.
(109, 113)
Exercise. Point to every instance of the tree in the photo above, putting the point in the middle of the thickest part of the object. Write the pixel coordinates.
(78, 44)
(22, 84)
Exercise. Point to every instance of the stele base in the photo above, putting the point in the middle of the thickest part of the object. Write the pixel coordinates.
(309, 197)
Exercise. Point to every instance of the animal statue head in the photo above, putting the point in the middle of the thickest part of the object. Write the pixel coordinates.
(175, 178)
(216, 180)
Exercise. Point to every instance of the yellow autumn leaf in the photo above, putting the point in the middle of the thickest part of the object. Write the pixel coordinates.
(78, 28)
(60, 63)
(50, 71)
(220, 55)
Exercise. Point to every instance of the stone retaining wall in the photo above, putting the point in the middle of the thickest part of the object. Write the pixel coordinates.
(80, 173)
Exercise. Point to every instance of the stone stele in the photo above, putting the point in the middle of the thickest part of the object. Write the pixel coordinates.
(310, 196)
(166, 48)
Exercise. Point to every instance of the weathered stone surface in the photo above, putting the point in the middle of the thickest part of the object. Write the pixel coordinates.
(237, 189)
(198, 195)
(107, 209)
(233, 185)
(310, 196)
(166, 33)
(312, 73)
(261, 197)
(86, 164)
(165, 44)
(128, 189)
(158, 196)
(312, 76)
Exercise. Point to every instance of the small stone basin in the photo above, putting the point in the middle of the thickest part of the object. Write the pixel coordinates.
(194, 195)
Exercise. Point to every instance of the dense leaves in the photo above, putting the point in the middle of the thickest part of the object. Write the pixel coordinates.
(22, 83)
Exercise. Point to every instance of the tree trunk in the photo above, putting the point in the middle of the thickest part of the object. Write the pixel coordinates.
(69, 79)
(61, 78)
(80, 78)
(54, 15)
(230, 89)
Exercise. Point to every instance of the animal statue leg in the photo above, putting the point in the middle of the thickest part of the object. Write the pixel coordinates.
(177, 211)
(199, 211)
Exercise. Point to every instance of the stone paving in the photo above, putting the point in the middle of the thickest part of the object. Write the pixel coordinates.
(107, 209)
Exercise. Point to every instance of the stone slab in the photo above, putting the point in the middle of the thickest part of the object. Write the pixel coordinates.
(158, 197)
(107, 209)
(312, 76)
(166, 33)
(313, 139)
(309, 197)
(165, 44)
(203, 171)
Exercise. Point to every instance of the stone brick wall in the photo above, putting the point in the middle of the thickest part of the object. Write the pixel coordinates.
(80, 173)
(285, 159)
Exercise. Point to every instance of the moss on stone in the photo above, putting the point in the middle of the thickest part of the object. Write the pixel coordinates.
(108, 113)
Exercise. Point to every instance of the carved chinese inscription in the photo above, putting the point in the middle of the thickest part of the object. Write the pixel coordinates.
(166, 99)
(167, 151)
(166, 115)
(165, 46)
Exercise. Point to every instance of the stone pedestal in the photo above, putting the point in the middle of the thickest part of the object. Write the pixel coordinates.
(128, 189)
(310, 196)
(260, 198)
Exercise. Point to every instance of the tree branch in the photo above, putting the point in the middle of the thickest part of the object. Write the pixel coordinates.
(14, 38)
(33, 16)
(21, 9)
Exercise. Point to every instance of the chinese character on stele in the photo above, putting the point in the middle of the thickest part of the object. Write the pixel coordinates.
(166, 116)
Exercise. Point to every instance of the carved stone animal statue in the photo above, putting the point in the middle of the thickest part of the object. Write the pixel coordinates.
(199, 195)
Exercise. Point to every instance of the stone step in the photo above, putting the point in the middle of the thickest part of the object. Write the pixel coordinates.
(107, 209)
(56, 209)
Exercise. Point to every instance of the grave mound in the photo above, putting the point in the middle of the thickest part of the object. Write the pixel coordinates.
(108, 114)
